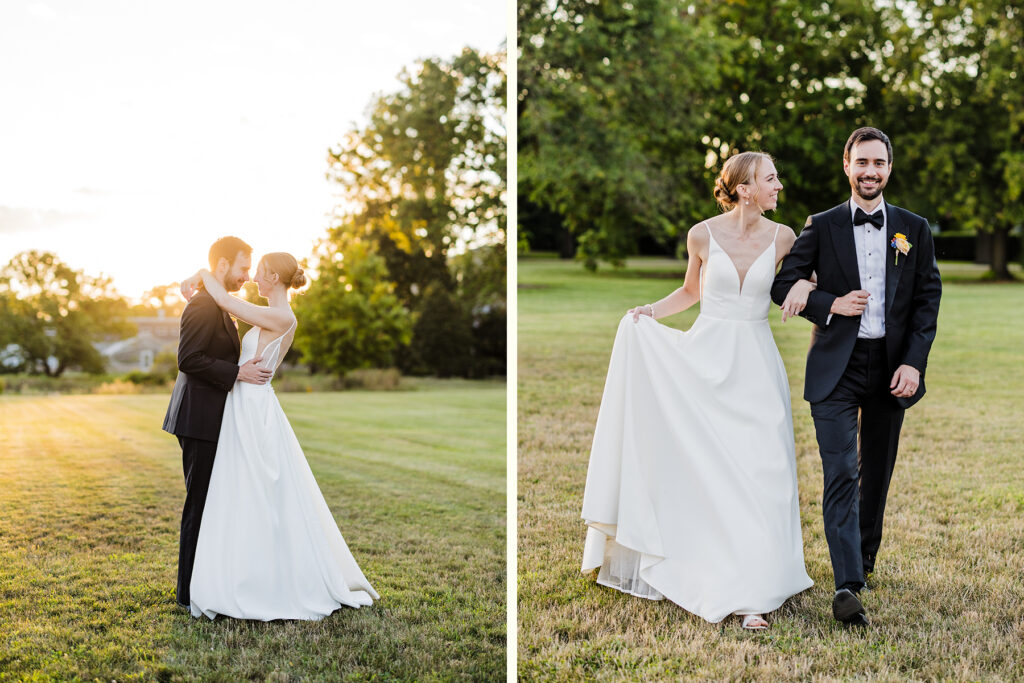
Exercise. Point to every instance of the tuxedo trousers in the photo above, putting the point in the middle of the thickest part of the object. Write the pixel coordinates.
(197, 462)
(857, 475)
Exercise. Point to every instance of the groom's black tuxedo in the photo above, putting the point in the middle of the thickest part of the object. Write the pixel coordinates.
(912, 291)
(847, 379)
(208, 350)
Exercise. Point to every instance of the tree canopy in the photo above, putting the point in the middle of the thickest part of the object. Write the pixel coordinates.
(50, 315)
(420, 185)
(627, 110)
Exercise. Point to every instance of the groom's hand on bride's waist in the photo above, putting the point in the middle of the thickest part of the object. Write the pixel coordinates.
(851, 304)
(253, 373)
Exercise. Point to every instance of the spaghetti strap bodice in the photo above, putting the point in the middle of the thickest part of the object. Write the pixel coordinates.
(272, 353)
(693, 469)
(724, 296)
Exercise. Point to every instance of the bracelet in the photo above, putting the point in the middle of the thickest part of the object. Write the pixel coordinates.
(651, 306)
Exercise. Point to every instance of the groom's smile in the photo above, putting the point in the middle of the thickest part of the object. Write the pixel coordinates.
(868, 168)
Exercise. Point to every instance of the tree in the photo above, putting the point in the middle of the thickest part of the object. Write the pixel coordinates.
(796, 79)
(956, 71)
(428, 170)
(628, 110)
(351, 317)
(422, 181)
(165, 298)
(611, 107)
(54, 313)
(480, 289)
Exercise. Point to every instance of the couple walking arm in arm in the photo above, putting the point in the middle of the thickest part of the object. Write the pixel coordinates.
(692, 469)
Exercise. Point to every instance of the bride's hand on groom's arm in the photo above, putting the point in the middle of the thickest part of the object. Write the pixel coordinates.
(796, 299)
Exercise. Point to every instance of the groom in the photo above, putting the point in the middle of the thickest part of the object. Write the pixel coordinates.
(208, 349)
(874, 313)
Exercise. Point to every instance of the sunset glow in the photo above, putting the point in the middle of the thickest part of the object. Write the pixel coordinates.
(134, 134)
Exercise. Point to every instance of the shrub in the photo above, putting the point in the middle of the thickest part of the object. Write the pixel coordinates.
(442, 338)
(490, 341)
(374, 379)
(118, 386)
(152, 379)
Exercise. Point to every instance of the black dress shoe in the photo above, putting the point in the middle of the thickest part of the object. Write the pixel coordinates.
(847, 608)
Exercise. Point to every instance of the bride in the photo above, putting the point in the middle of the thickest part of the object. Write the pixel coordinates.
(691, 492)
(268, 546)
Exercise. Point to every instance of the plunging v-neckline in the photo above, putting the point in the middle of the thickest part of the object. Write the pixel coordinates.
(742, 280)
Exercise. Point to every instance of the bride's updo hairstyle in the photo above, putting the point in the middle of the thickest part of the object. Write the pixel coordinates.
(738, 169)
(286, 267)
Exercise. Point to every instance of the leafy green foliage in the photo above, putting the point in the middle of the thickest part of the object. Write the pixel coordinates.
(420, 185)
(52, 314)
(628, 110)
(443, 334)
(956, 71)
(351, 317)
(612, 98)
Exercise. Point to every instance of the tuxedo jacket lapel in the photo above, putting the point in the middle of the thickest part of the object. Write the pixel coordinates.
(893, 264)
(846, 248)
(229, 325)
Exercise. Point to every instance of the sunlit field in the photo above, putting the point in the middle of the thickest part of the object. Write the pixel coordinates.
(949, 594)
(90, 501)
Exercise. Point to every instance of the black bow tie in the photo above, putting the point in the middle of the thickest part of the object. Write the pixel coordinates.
(876, 219)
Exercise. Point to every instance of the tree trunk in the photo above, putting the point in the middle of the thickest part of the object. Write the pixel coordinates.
(567, 244)
(1000, 254)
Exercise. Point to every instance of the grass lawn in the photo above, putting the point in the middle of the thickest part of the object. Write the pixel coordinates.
(90, 502)
(949, 602)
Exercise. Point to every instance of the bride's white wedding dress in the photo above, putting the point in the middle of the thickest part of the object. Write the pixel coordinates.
(691, 492)
(268, 545)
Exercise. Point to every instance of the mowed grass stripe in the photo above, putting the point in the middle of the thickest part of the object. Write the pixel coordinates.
(91, 493)
(376, 436)
(947, 605)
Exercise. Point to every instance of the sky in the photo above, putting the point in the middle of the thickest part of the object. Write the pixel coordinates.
(134, 134)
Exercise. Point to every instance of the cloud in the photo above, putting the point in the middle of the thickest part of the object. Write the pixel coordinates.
(42, 11)
(21, 219)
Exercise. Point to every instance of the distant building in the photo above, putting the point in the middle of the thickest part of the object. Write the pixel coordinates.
(157, 334)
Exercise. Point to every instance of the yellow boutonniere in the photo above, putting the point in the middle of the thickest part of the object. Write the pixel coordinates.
(901, 245)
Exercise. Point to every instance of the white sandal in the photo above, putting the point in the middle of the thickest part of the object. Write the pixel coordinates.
(754, 622)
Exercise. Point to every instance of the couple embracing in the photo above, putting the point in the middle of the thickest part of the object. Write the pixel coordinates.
(691, 492)
(257, 538)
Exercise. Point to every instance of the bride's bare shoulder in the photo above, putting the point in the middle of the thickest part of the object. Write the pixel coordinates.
(698, 231)
(785, 234)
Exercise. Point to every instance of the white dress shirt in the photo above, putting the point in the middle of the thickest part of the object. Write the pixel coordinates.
(871, 255)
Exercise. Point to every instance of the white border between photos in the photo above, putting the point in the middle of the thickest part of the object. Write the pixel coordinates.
(511, 438)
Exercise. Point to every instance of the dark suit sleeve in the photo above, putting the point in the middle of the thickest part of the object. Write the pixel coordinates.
(927, 292)
(200, 320)
(799, 264)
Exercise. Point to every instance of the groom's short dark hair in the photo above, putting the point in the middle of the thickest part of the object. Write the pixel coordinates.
(227, 247)
(867, 133)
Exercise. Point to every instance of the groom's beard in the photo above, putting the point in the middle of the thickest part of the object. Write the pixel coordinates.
(858, 189)
(232, 285)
